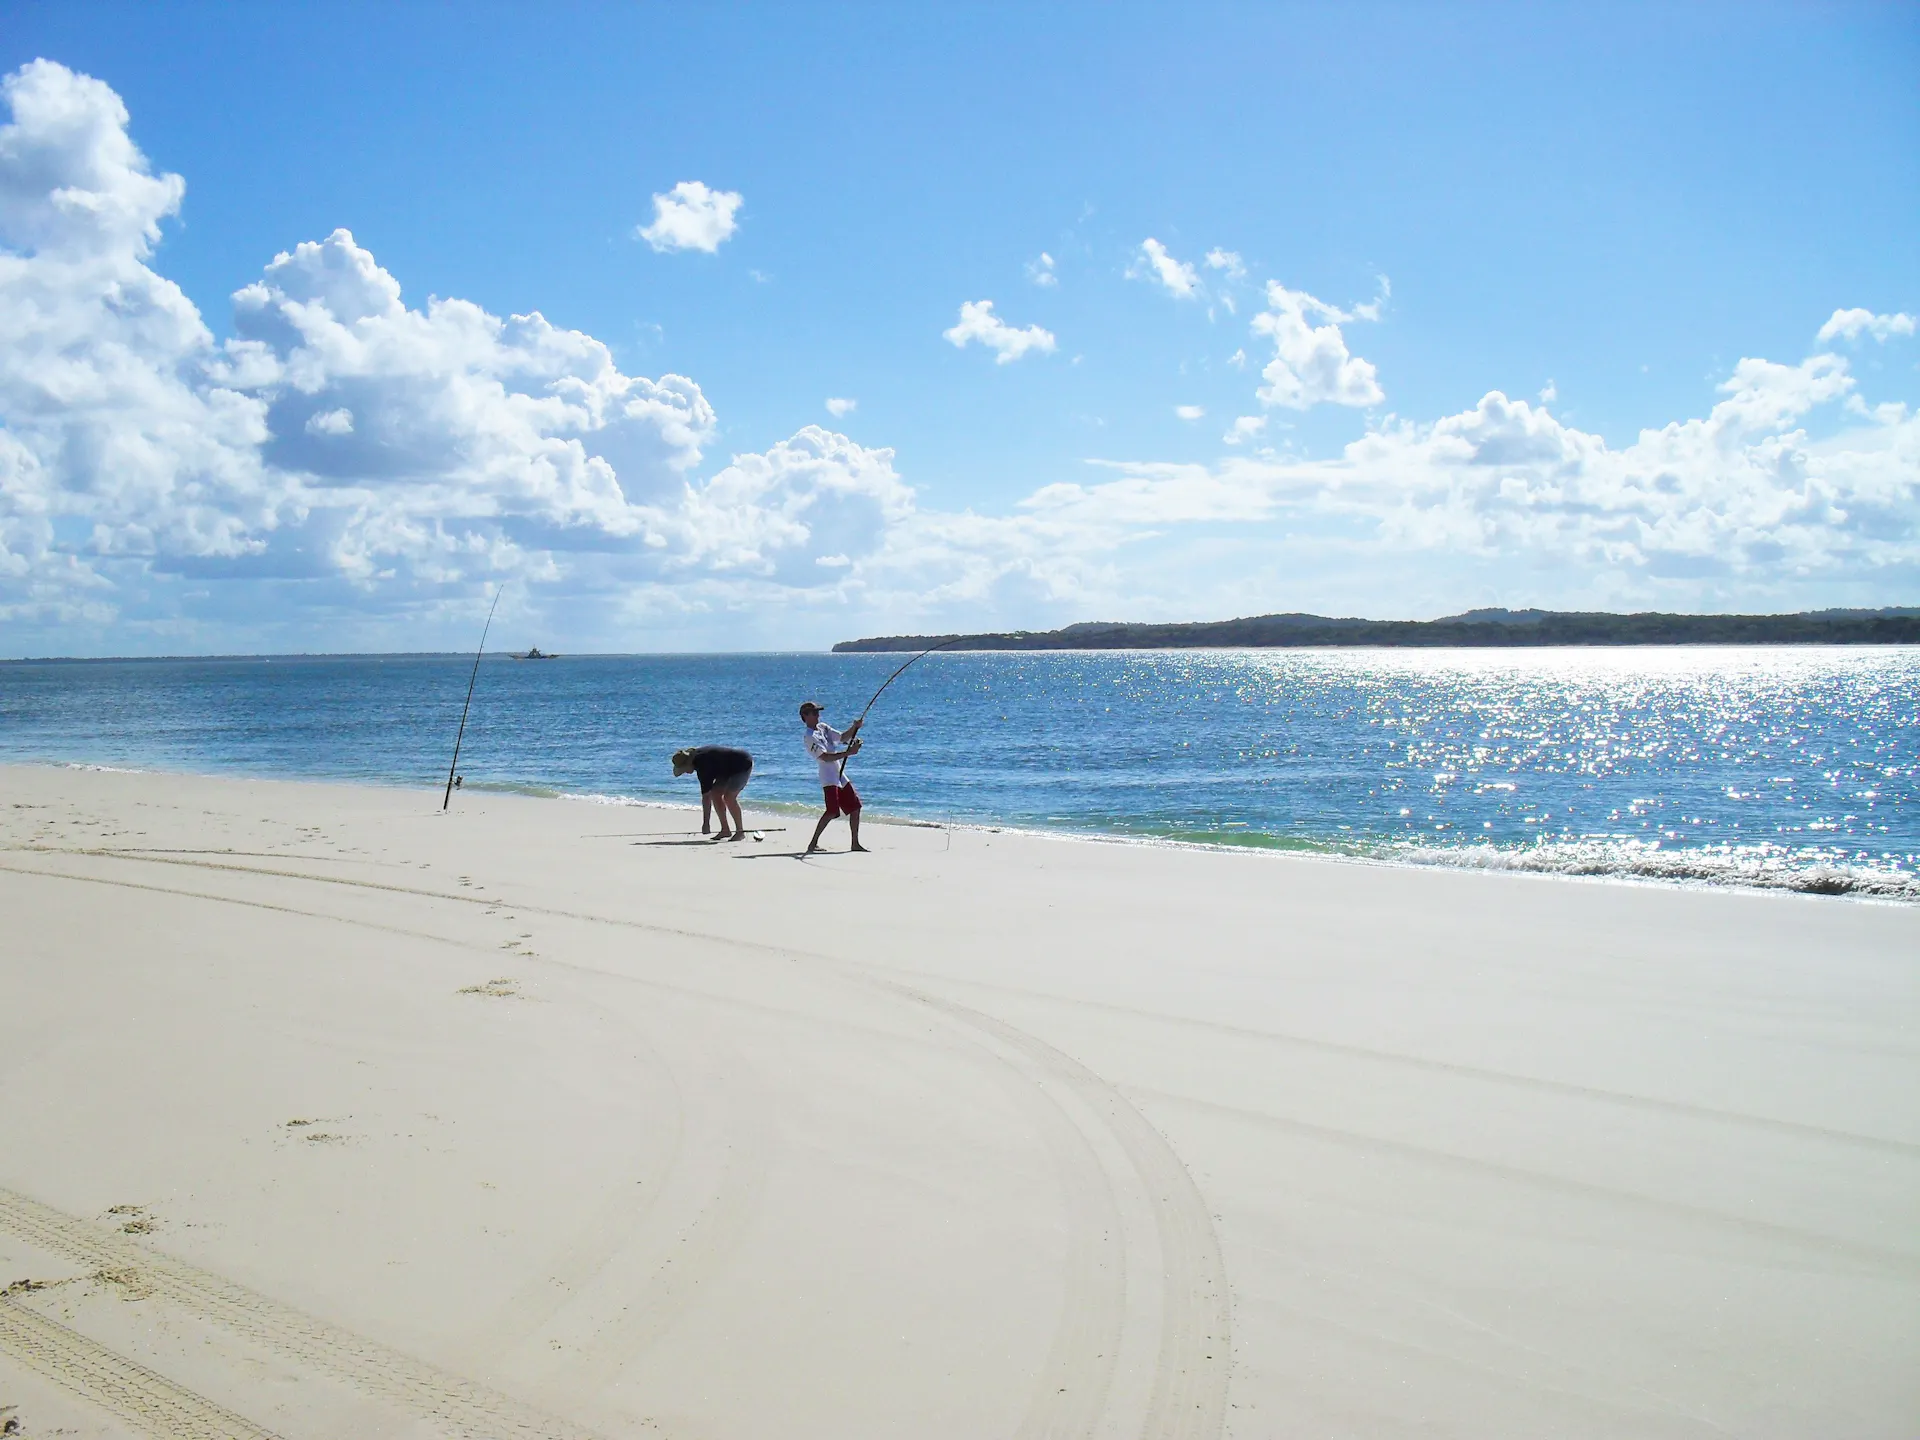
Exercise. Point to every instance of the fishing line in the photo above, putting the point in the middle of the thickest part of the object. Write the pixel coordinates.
(883, 690)
(447, 798)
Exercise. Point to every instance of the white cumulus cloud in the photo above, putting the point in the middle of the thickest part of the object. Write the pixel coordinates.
(839, 405)
(343, 437)
(1190, 412)
(1228, 261)
(352, 460)
(1311, 364)
(1739, 498)
(72, 182)
(773, 515)
(1178, 278)
(978, 323)
(1041, 271)
(124, 432)
(1851, 324)
(691, 217)
(422, 429)
(1371, 310)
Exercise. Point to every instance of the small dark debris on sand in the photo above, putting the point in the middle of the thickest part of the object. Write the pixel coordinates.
(131, 1284)
(134, 1219)
(504, 988)
(303, 1128)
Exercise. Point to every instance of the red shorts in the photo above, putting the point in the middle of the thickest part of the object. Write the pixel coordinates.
(840, 800)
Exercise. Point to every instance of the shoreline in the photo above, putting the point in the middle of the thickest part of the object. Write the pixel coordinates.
(1662, 868)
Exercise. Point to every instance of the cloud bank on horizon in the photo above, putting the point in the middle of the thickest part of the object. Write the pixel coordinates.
(352, 469)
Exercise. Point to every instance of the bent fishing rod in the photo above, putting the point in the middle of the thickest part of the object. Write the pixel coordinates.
(447, 798)
(883, 690)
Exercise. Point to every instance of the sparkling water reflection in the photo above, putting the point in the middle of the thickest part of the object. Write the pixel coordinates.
(1765, 766)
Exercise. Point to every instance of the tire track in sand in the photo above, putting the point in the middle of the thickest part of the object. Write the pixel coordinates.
(144, 1399)
(712, 1199)
(455, 1405)
(1189, 1396)
(1075, 1383)
(1188, 1399)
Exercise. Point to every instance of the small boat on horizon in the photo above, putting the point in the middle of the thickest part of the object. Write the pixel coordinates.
(536, 653)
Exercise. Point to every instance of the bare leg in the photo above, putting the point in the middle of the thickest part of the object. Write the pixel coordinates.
(706, 811)
(853, 824)
(818, 831)
(731, 801)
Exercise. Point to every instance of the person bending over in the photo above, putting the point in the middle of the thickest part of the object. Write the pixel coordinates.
(831, 747)
(724, 772)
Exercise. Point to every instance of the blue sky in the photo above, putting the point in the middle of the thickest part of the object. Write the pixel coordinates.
(1412, 210)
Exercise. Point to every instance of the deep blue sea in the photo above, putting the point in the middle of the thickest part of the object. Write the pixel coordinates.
(1779, 767)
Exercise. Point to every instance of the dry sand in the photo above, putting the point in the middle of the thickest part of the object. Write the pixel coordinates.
(322, 1114)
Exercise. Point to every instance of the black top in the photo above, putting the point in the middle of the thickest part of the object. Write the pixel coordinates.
(714, 763)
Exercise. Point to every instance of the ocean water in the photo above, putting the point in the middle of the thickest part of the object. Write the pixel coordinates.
(1764, 766)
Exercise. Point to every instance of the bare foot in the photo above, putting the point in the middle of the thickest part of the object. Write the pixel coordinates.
(859, 849)
(736, 835)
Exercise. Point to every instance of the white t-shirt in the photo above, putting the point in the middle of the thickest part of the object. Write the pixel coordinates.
(822, 739)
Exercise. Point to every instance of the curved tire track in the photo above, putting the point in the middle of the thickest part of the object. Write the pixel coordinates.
(591, 1248)
(1075, 1383)
(729, 1180)
(1189, 1397)
(1456, 1070)
(457, 1406)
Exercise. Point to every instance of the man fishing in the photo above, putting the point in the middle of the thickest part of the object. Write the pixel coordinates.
(724, 772)
(832, 749)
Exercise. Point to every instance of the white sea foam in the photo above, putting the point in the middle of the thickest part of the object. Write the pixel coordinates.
(592, 798)
(1759, 866)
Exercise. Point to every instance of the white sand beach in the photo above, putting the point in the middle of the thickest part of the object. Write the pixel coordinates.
(323, 1114)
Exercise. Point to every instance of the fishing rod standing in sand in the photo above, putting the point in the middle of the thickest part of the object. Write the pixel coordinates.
(883, 690)
(447, 799)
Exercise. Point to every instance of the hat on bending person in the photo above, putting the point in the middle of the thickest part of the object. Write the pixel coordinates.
(683, 761)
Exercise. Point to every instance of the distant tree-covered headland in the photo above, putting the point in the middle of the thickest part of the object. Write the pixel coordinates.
(1482, 628)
